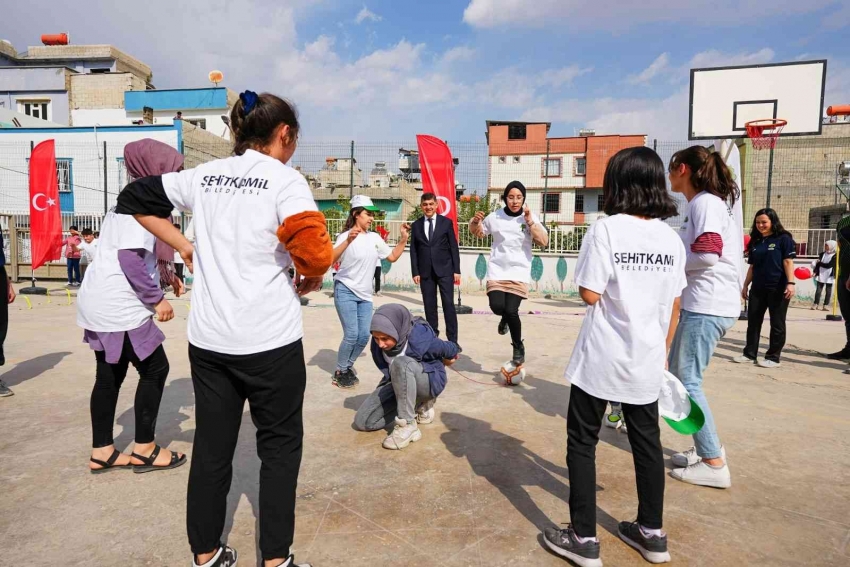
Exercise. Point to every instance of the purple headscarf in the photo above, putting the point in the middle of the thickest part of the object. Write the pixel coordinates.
(149, 157)
(145, 158)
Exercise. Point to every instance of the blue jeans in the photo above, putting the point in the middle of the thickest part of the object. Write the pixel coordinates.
(74, 270)
(355, 314)
(691, 351)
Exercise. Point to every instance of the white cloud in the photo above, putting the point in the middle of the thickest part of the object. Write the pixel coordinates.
(660, 64)
(367, 14)
(563, 76)
(618, 15)
(460, 53)
(715, 58)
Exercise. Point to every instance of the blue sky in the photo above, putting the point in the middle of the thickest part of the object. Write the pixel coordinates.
(384, 71)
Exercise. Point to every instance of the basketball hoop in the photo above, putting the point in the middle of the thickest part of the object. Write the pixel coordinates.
(765, 133)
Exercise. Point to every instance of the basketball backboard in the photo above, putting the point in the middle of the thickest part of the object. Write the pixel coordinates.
(724, 99)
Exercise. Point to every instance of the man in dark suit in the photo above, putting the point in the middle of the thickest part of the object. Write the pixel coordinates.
(435, 263)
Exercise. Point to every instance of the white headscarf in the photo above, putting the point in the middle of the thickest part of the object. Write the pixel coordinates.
(826, 257)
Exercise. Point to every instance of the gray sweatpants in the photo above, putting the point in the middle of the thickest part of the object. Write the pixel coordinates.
(408, 386)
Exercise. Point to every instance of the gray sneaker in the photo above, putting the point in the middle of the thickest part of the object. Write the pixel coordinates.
(653, 548)
(425, 412)
(765, 363)
(5, 392)
(404, 433)
(702, 474)
(566, 544)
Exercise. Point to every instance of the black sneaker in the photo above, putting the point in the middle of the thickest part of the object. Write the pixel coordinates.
(503, 327)
(653, 548)
(842, 354)
(345, 379)
(459, 350)
(565, 543)
(292, 563)
(519, 353)
(5, 392)
(227, 558)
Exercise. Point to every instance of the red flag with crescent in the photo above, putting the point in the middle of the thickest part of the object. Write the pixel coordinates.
(45, 217)
(438, 174)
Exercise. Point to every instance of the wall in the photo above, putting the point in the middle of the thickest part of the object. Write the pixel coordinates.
(57, 113)
(45, 83)
(100, 117)
(85, 149)
(101, 91)
(529, 171)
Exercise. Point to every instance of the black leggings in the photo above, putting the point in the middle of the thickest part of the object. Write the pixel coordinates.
(104, 397)
(377, 279)
(506, 305)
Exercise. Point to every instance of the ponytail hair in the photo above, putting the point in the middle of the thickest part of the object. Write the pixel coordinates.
(254, 119)
(708, 172)
(352, 217)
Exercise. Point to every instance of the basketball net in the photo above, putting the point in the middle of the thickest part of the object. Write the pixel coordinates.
(765, 133)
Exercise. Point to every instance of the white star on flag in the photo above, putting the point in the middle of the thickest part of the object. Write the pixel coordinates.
(51, 202)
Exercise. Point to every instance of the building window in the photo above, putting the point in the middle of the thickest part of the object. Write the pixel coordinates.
(581, 166)
(199, 122)
(551, 167)
(503, 159)
(824, 221)
(579, 203)
(63, 175)
(600, 202)
(516, 131)
(35, 108)
(552, 203)
(516, 159)
(100, 71)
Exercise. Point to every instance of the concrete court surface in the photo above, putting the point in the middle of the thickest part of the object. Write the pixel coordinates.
(476, 490)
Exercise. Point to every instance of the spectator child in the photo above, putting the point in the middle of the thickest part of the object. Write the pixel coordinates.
(824, 274)
(72, 256)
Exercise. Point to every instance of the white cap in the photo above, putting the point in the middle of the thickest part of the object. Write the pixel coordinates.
(363, 201)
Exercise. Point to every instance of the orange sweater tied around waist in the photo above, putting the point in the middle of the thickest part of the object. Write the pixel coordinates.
(305, 237)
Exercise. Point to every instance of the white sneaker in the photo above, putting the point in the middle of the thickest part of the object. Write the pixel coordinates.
(425, 413)
(743, 360)
(690, 457)
(702, 474)
(764, 363)
(403, 434)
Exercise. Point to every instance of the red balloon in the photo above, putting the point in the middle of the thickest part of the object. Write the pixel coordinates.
(802, 273)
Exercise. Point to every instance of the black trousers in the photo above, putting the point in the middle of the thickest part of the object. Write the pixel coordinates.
(107, 384)
(773, 301)
(377, 279)
(844, 307)
(429, 285)
(4, 311)
(273, 382)
(827, 296)
(584, 419)
(506, 305)
(178, 269)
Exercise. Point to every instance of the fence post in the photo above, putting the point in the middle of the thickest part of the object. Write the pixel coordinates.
(13, 248)
(655, 145)
(105, 182)
(546, 180)
(351, 173)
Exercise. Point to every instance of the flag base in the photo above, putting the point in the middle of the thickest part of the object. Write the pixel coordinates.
(463, 309)
(33, 290)
(742, 316)
(834, 318)
(304, 300)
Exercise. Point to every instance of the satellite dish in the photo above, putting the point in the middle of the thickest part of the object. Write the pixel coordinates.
(216, 77)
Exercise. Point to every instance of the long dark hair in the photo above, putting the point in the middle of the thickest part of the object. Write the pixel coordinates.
(352, 217)
(634, 185)
(254, 130)
(708, 172)
(775, 226)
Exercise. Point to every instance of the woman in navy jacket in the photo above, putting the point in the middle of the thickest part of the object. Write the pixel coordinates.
(413, 361)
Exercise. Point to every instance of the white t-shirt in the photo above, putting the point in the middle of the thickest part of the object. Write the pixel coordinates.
(638, 266)
(88, 251)
(510, 256)
(106, 302)
(357, 264)
(715, 290)
(243, 301)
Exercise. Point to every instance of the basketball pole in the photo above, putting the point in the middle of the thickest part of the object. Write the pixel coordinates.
(769, 175)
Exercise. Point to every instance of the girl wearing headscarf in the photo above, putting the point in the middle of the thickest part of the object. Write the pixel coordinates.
(514, 229)
(413, 361)
(824, 274)
(117, 301)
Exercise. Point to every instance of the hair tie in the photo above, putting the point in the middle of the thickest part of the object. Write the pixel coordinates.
(249, 100)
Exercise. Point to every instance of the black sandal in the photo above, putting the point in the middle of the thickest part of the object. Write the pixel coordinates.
(109, 464)
(148, 465)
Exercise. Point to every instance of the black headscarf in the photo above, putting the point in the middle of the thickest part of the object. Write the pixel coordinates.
(513, 185)
(396, 321)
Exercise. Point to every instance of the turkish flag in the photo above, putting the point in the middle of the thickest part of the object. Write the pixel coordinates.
(45, 218)
(438, 174)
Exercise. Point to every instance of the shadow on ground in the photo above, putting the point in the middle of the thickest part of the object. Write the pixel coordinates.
(32, 368)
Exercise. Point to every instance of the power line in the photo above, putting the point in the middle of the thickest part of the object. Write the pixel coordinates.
(74, 186)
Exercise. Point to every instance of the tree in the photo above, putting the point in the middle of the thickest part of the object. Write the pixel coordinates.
(561, 271)
(536, 271)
